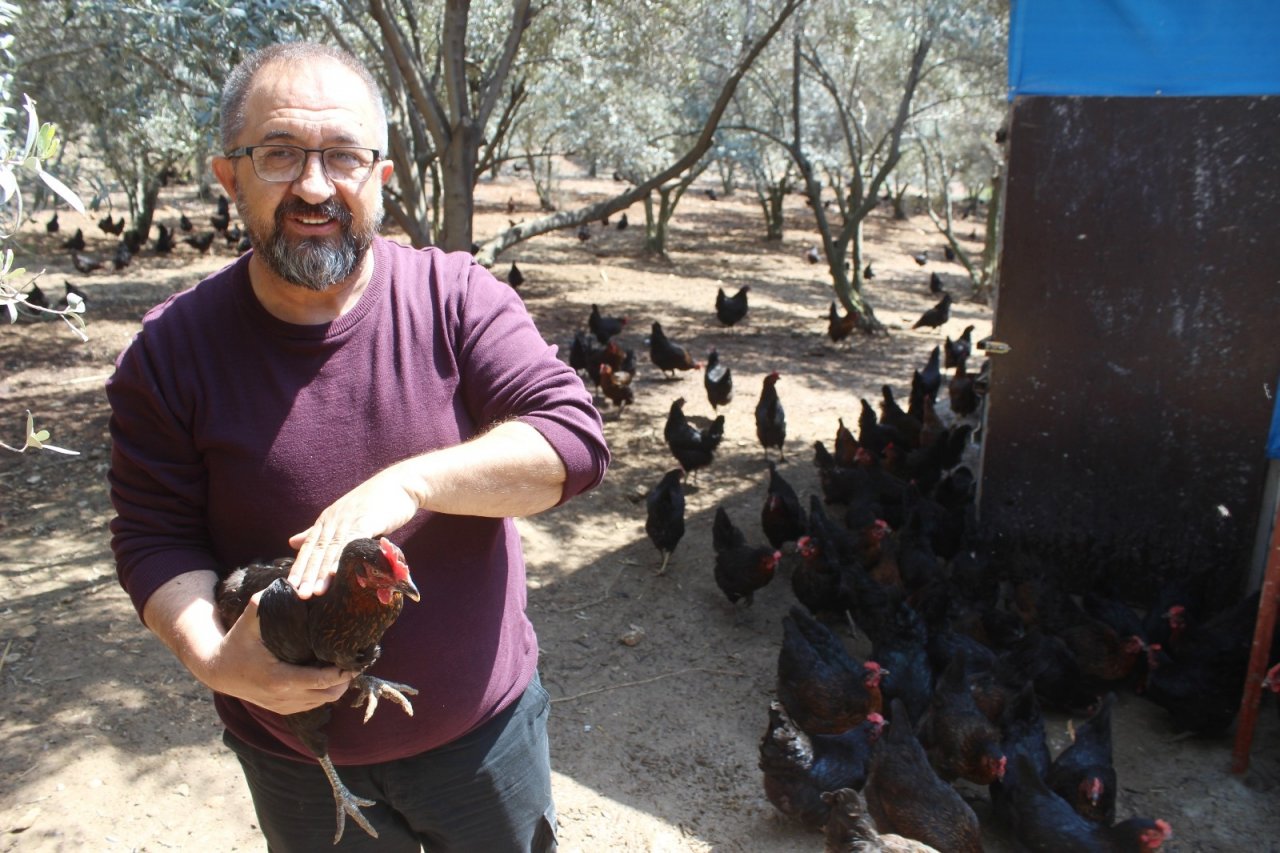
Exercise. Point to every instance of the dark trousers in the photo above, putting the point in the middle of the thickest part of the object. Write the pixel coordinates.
(488, 792)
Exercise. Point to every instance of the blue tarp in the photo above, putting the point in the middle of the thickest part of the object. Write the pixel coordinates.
(1273, 440)
(1144, 47)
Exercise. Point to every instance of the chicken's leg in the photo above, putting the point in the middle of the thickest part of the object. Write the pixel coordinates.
(372, 689)
(347, 802)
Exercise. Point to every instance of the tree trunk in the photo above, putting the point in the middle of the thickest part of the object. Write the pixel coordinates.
(458, 178)
(991, 249)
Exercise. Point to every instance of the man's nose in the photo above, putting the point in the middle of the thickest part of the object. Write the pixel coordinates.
(313, 184)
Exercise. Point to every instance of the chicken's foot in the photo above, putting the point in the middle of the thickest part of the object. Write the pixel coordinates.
(347, 803)
(372, 689)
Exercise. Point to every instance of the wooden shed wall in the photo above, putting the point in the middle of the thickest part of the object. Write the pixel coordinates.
(1140, 293)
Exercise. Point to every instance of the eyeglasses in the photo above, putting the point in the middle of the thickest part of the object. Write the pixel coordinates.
(284, 164)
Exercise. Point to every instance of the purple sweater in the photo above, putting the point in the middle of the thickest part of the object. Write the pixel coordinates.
(232, 430)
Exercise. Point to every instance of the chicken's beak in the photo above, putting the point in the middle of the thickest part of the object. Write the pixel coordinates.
(407, 588)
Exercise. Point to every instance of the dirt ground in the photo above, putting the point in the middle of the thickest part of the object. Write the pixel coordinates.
(106, 743)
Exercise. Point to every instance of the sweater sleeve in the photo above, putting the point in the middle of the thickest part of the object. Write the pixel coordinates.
(157, 481)
(509, 371)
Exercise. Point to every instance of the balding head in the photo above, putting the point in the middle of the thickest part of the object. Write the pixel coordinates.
(236, 91)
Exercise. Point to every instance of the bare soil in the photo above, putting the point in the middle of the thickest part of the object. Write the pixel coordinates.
(106, 743)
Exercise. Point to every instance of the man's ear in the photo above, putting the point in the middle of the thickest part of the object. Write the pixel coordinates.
(224, 169)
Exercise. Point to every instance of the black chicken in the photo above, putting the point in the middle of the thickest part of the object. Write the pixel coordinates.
(935, 284)
(825, 689)
(948, 252)
(222, 219)
(73, 298)
(1084, 774)
(515, 278)
(667, 355)
(75, 242)
(937, 315)
(110, 226)
(900, 647)
(782, 518)
(731, 309)
(718, 380)
(771, 419)
(52, 226)
(1043, 821)
(122, 256)
(604, 327)
(956, 352)
(341, 628)
(664, 522)
(85, 263)
(741, 568)
(164, 241)
(622, 222)
(692, 447)
(799, 767)
(185, 224)
(905, 796)
(201, 242)
(868, 273)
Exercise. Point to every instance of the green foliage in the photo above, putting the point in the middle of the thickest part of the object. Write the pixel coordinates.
(41, 144)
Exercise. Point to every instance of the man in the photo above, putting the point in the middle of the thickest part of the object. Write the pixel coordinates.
(331, 385)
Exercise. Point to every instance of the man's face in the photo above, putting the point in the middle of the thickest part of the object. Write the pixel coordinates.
(312, 232)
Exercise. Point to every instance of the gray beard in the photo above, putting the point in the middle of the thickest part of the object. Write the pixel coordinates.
(313, 263)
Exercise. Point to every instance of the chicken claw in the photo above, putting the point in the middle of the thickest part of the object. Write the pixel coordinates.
(347, 802)
(372, 689)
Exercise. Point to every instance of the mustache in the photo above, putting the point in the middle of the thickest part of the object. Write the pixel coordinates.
(329, 209)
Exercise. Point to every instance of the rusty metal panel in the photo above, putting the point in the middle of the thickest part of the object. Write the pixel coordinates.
(1140, 293)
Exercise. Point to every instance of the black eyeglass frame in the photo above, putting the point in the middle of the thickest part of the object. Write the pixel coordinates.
(247, 151)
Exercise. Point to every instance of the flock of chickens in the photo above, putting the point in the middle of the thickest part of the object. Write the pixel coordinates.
(131, 243)
(967, 645)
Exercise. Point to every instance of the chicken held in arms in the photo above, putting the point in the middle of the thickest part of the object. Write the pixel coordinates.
(341, 628)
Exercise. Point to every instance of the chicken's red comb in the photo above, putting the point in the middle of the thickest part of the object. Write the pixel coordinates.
(399, 569)
(1165, 829)
(875, 719)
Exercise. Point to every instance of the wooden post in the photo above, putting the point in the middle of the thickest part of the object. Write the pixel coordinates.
(1259, 658)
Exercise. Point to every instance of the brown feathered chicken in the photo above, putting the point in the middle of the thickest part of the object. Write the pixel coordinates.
(849, 828)
(771, 418)
(741, 568)
(616, 385)
(906, 797)
(823, 687)
(838, 327)
(341, 628)
(958, 738)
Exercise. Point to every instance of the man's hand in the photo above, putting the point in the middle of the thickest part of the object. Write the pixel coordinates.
(376, 507)
(245, 668)
(507, 471)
